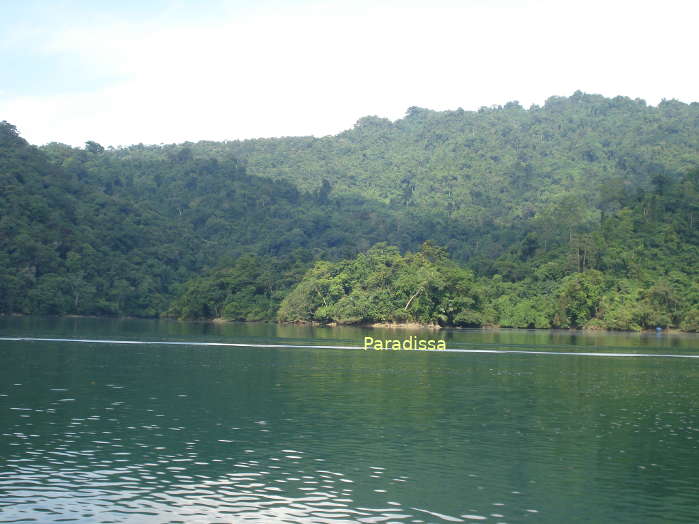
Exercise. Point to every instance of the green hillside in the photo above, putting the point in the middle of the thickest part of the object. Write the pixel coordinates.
(584, 197)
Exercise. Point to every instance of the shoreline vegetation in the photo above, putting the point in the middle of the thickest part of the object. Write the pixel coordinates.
(408, 326)
(426, 289)
(582, 213)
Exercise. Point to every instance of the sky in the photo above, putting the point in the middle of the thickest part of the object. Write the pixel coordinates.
(129, 71)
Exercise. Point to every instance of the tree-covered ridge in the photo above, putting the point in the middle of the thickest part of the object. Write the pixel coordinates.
(634, 269)
(489, 164)
(587, 192)
(250, 289)
(478, 176)
(86, 232)
(637, 268)
(229, 212)
(66, 247)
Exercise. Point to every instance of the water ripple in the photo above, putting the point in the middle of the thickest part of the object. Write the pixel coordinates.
(170, 434)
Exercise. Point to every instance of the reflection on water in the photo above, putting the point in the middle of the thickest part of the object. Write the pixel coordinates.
(150, 433)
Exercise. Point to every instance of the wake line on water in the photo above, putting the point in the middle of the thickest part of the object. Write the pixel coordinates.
(232, 344)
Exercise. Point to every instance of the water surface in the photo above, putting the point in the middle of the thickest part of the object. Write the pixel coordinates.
(99, 432)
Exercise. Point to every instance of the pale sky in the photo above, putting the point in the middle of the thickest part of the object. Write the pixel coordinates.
(125, 72)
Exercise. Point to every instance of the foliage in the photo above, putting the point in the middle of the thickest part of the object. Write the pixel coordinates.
(580, 213)
(382, 285)
(250, 289)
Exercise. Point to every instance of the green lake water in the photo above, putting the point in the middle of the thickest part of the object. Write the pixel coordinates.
(156, 432)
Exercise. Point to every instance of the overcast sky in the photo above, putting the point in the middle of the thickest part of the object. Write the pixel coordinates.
(173, 71)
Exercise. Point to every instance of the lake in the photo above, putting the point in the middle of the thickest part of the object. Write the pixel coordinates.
(156, 432)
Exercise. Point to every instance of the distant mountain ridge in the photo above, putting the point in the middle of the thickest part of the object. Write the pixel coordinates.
(527, 195)
(481, 169)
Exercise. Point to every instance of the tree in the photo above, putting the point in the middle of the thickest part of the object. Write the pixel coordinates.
(93, 147)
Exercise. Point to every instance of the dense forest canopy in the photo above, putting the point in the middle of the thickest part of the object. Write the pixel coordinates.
(580, 213)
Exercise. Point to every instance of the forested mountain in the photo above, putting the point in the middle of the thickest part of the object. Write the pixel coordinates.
(85, 232)
(585, 196)
(479, 177)
(637, 269)
(67, 247)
